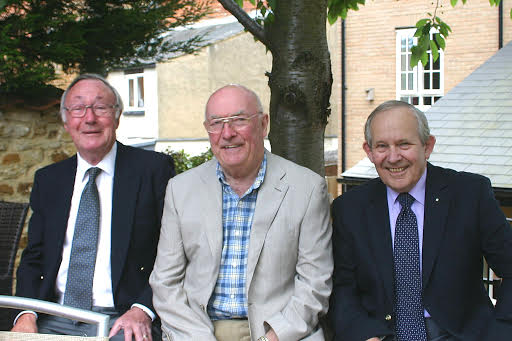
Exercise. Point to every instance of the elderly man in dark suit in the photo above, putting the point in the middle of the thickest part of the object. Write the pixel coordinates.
(409, 245)
(95, 225)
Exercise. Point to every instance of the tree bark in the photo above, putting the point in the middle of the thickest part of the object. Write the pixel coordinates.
(300, 81)
(301, 78)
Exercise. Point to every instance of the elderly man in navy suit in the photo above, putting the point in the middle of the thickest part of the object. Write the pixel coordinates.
(409, 245)
(95, 225)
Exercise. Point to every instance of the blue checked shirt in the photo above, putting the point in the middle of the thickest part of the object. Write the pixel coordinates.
(229, 299)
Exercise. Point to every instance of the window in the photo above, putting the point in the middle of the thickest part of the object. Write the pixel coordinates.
(422, 85)
(135, 90)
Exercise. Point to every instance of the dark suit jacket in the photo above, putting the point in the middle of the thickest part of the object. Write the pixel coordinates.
(462, 224)
(140, 180)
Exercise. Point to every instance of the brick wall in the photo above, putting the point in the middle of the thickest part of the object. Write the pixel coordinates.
(370, 52)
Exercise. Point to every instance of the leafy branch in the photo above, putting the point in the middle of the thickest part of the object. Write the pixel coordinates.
(423, 29)
(254, 26)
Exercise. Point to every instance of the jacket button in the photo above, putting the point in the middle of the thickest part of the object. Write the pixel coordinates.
(42, 277)
(141, 268)
(388, 317)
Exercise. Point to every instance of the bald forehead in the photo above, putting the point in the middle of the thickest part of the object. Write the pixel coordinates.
(232, 99)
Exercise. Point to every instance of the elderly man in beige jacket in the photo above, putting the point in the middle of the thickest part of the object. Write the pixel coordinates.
(245, 247)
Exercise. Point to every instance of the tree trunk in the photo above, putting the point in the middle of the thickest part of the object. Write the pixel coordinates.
(300, 81)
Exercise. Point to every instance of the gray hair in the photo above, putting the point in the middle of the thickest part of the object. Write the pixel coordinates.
(243, 88)
(119, 101)
(421, 119)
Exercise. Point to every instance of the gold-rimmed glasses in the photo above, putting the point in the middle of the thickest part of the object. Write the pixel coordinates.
(236, 122)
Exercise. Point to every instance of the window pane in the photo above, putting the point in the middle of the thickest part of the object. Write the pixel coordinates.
(411, 43)
(436, 80)
(427, 100)
(427, 67)
(405, 99)
(404, 44)
(130, 92)
(409, 62)
(140, 87)
(437, 64)
(411, 80)
(404, 82)
(403, 62)
(426, 81)
(415, 100)
(436, 98)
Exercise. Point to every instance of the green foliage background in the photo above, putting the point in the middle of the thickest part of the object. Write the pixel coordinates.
(83, 36)
(183, 161)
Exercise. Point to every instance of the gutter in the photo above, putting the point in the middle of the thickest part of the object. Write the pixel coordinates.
(500, 25)
(343, 99)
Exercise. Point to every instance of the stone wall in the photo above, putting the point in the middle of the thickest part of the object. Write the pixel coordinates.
(29, 140)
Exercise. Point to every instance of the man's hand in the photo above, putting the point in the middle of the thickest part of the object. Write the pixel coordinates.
(271, 335)
(26, 324)
(374, 339)
(135, 322)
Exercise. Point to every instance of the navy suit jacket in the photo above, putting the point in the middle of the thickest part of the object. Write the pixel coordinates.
(463, 223)
(140, 180)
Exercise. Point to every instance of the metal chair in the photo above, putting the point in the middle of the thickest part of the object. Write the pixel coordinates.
(55, 309)
(12, 218)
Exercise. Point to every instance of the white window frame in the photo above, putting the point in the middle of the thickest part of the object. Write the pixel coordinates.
(418, 72)
(138, 102)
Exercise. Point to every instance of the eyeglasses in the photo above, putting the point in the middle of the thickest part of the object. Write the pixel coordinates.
(97, 109)
(236, 122)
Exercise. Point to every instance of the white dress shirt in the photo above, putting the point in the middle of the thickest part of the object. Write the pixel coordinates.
(102, 295)
(102, 284)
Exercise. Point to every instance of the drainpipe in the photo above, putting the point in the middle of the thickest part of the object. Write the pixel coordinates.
(500, 25)
(343, 98)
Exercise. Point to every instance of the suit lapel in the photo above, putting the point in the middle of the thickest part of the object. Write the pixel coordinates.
(379, 232)
(61, 201)
(437, 202)
(212, 205)
(270, 196)
(124, 201)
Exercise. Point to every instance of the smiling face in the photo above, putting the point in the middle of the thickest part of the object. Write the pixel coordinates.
(397, 152)
(93, 136)
(239, 151)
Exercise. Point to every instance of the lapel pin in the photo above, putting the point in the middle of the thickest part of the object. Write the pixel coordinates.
(437, 199)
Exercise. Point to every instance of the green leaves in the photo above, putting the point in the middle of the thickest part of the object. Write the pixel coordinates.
(89, 36)
(426, 29)
(183, 161)
(339, 8)
(264, 7)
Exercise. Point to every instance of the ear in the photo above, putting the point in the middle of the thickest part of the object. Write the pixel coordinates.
(66, 125)
(368, 150)
(429, 146)
(264, 124)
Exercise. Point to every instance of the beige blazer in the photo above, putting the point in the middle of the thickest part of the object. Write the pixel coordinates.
(289, 260)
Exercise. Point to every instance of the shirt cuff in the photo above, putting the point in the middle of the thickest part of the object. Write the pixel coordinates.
(24, 312)
(145, 309)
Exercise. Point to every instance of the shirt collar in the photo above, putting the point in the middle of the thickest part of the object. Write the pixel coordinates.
(257, 182)
(418, 191)
(107, 164)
